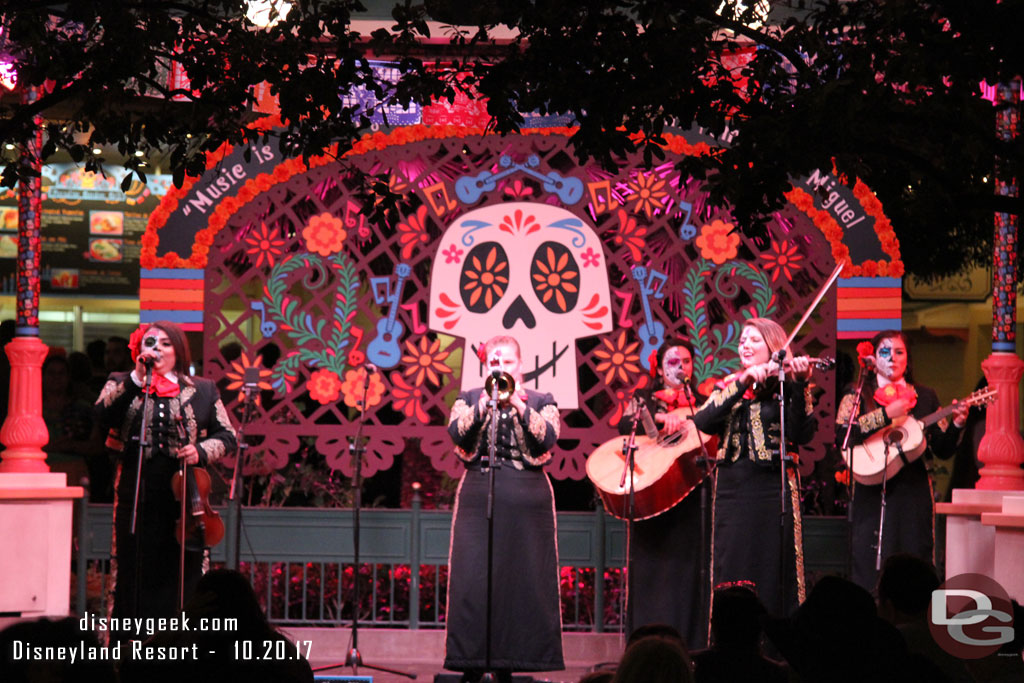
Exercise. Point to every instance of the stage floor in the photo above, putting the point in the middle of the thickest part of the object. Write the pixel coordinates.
(421, 652)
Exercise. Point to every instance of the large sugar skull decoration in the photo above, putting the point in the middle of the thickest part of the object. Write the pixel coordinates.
(532, 271)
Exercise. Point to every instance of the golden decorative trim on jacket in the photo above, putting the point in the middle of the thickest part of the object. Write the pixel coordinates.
(808, 400)
(111, 390)
(463, 414)
(873, 421)
(757, 432)
(720, 396)
(214, 449)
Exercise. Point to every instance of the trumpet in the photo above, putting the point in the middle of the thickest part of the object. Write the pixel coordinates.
(506, 386)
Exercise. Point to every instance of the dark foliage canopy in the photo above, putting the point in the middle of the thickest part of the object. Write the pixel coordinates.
(884, 90)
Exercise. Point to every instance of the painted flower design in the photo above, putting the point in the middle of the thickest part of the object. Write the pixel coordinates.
(630, 235)
(324, 386)
(648, 193)
(782, 259)
(324, 235)
(407, 398)
(488, 278)
(518, 189)
(717, 242)
(264, 246)
(355, 382)
(236, 373)
(425, 361)
(590, 258)
(413, 231)
(452, 254)
(618, 358)
(553, 276)
(519, 222)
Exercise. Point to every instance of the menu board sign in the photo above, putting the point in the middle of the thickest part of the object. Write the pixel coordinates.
(91, 231)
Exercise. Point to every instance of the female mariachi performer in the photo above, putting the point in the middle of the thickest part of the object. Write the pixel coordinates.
(178, 400)
(666, 560)
(526, 630)
(889, 393)
(744, 410)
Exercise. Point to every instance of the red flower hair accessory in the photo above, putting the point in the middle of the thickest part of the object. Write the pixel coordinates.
(135, 341)
(652, 361)
(481, 352)
(864, 349)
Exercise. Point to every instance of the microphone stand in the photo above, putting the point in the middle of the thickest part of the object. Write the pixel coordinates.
(846, 448)
(779, 357)
(139, 491)
(235, 493)
(492, 464)
(353, 658)
(705, 462)
(629, 450)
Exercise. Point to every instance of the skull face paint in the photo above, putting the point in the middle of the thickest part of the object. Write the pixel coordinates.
(517, 268)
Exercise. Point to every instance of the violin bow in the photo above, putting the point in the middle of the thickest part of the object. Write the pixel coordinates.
(814, 304)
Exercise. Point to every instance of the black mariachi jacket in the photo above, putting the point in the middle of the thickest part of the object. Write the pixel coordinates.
(525, 442)
(203, 415)
(749, 427)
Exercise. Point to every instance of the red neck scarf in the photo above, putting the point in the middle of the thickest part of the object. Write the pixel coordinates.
(163, 387)
(675, 398)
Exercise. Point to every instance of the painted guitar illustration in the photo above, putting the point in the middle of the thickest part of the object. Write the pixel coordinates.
(904, 440)
(652, 332)
(384, 351)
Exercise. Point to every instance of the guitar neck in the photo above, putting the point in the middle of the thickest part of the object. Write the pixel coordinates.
(932, 418)
(394, 301)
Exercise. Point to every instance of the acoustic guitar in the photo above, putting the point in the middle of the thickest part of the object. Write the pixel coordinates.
(888, 450)
(665, 471)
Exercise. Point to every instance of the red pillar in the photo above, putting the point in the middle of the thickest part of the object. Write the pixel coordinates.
(1002, 450)
(24, 431)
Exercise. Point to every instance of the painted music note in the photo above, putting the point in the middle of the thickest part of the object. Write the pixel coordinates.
(356, 357)
(445, 205)
(627, 299)
(417, 324)
(602, 205)
(383, 350)
(652, 332)
(267, 327)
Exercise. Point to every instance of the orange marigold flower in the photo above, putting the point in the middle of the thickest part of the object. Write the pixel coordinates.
(352, 388)
(324, 235)
(408, 398)
(324, 386)
(425, 361)
(617, 358)
(717, 241)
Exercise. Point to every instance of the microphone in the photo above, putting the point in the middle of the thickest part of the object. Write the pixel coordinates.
(370, 368)
(650, 429)
(150, 361)
(496, 373)
(867, 362)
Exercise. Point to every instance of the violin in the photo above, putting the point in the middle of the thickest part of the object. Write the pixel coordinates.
(201, 525)
(772, 381)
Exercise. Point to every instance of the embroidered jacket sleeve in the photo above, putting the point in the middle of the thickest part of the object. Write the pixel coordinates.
(713, 416)
(541, 424)
(864, 425)
(115, 399)
(465, 424)
(216, 437)
(801, 424)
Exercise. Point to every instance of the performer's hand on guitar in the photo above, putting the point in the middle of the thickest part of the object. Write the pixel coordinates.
(960, 411)
(672, 422)
(189, 454)
(898, 408)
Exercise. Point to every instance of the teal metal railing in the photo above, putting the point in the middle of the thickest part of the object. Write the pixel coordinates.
(300, 563)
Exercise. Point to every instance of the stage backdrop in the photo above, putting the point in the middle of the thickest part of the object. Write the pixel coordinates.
(589, 269)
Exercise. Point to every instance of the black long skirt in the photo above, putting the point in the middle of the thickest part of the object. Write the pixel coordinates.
(149, 559)
(526, 625)
(748, 542)
(909, 521)
(666, 566)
